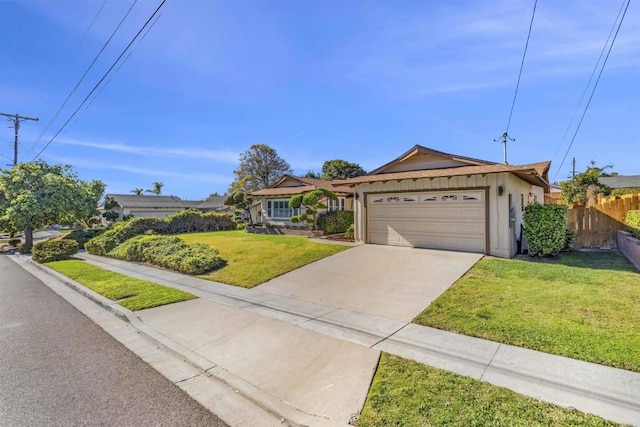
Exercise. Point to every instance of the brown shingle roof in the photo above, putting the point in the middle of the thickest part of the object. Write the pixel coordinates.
(309, 184)
(533, 173)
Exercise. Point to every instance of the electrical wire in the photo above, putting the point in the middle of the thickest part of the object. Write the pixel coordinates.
(75, 88)
(524, 55)
(95, 87)
(90, 25)
(593, 91)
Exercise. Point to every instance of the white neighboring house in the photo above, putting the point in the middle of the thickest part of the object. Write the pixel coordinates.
(160, 206)
(271, 205)
(430, 199)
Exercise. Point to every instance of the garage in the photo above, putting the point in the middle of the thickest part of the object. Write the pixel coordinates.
(455, 220)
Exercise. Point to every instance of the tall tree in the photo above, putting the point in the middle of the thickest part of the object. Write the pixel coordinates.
(137, 191)
(341, 169)
(585, 185)
(157, 188)
(260, 166)
(312, 174)
(36, 194)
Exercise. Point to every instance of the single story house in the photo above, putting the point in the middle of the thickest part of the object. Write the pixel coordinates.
(430, 199)
(160, 206)
(271, 204)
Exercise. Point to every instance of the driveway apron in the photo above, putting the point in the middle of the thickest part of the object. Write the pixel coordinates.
(387, 281)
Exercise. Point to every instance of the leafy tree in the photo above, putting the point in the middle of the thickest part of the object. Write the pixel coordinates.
(214, 194)
(577, 191)
(312, 202)
(36, 194)
(137, 191)
(157, 188)
(109, 214)
(312, 174)
(260, 166)
(241, 202)
(341, 169)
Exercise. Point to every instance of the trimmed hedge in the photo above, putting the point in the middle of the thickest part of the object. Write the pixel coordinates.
(170, 252)
(633, 223)
(545, 228)
(83, 236)
(54, 250)
(335, 221)
(195, 221)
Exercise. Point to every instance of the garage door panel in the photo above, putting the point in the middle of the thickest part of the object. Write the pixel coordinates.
(443, 220)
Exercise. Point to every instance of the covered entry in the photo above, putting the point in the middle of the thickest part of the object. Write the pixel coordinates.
(448, 219)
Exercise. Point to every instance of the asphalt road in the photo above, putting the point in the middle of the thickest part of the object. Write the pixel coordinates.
(57, 368)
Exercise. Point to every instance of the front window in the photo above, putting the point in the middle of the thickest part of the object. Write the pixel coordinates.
(335, 205)
(280, 209)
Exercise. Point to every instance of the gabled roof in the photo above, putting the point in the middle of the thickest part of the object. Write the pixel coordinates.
(535, 173)
(419, 150)
(144, 201)
(629, 181)
(213, 202)
(306, 185)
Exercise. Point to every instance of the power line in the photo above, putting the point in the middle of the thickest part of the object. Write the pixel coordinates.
(102, 79)
(524, 55)
(505, 135)
(593, 91)
(90, 25)
(95, 59)
(16, 119)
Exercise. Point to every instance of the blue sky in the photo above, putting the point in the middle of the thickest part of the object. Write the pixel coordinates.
(357, 80)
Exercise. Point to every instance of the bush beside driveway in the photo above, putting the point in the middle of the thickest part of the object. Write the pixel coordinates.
(585, 306)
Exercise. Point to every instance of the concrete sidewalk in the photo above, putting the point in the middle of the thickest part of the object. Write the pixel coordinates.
(604, 391)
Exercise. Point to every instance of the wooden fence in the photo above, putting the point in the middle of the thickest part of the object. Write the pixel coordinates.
(597, 227)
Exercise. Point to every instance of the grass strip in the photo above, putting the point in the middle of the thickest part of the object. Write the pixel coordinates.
(585, 306)
(408, 393)
(131, 293)
(256, 258)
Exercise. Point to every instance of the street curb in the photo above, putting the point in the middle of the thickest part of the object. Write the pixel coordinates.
(289, 415)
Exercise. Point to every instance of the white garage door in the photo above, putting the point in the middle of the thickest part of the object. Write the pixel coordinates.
(439, 220)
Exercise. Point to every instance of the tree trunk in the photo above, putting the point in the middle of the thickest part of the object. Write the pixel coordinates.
(28, 237)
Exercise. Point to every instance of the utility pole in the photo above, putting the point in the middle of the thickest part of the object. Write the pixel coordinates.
(16, 119)
(573, 170)
(504, 138)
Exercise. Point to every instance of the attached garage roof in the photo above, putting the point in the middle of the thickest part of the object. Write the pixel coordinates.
(534, 173)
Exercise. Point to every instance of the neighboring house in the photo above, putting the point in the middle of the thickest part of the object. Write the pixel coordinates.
(621, 182)
(430, 199)
(160, 206)
(271, 204)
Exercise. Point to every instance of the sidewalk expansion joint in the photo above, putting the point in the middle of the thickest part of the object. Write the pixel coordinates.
(486, 368)
(390, 335)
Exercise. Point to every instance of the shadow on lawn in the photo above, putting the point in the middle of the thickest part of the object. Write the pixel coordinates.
(594, 259)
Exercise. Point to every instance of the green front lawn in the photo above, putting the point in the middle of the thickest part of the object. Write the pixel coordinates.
(586, 306)
(134, 294)
(255, 258)
(408, 393)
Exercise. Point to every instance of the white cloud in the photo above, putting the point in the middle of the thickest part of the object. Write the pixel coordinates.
(226, 156)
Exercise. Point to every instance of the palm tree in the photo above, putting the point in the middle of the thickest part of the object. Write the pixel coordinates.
(137, 191)
(157, 188)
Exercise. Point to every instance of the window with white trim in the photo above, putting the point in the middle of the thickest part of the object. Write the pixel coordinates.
(279, 209)
(335, 205)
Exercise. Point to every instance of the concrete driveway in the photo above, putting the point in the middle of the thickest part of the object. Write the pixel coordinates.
(392, 282)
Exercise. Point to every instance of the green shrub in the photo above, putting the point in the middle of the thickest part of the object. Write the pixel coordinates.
(545, 228)
(633, 223)
(349, 233)
(195, 221)
(170, 252)
(122, 231)
(335, 221)
(82, 236)
(54, 250)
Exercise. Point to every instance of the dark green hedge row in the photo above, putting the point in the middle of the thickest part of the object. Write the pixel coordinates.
(545, 228)
(83, 236)
(335, 221)
(170, 252)
(633, 223)
(186, 221)
(54, 250)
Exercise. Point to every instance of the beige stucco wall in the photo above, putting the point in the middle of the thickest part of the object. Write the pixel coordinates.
(501, 237)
